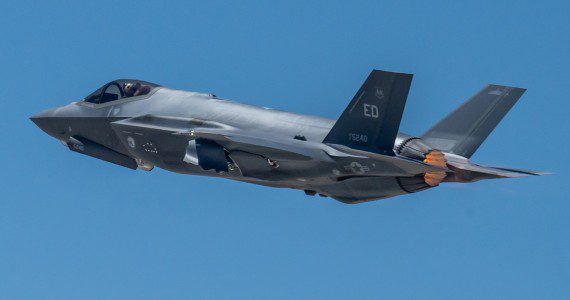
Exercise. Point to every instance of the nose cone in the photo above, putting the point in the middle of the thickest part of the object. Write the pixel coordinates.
(44, 114)
(46, 121)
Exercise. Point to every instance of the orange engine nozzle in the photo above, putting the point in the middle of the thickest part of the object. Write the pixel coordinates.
(435, 158)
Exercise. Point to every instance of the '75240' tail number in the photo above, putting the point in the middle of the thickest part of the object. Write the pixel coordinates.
(357, 137)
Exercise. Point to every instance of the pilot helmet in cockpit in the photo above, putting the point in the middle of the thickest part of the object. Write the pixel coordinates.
(130, 88)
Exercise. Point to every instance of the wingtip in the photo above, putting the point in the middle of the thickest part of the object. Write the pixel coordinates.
(541, 173)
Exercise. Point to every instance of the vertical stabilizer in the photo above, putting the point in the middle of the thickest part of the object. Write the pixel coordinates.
(464, 130)
(371, 120)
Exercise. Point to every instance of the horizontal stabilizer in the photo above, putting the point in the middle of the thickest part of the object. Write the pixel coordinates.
(521, 172)
(469, 172)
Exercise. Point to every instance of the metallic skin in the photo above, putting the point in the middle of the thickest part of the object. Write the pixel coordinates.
(360, 157)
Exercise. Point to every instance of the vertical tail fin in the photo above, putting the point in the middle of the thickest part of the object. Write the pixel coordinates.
(371, 120)
(464, 130)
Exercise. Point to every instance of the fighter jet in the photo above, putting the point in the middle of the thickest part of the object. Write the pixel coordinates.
(359, 157)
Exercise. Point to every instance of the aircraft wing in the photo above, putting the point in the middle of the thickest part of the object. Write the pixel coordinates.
(207, 143)
(235, 141)
(232, 139)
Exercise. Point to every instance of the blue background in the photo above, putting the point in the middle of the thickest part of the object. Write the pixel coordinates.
(72, 227)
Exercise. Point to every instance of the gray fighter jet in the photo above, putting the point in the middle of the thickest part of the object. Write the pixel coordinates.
(360, 157)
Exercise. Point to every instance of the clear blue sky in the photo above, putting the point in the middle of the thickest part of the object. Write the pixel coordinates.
(72, 227)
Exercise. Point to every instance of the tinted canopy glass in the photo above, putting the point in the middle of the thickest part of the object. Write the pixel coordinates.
(120, 89)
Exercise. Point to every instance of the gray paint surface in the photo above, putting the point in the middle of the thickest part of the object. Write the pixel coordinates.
(360, 157)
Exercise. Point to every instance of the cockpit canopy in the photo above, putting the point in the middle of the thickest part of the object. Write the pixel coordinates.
(120, 89)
